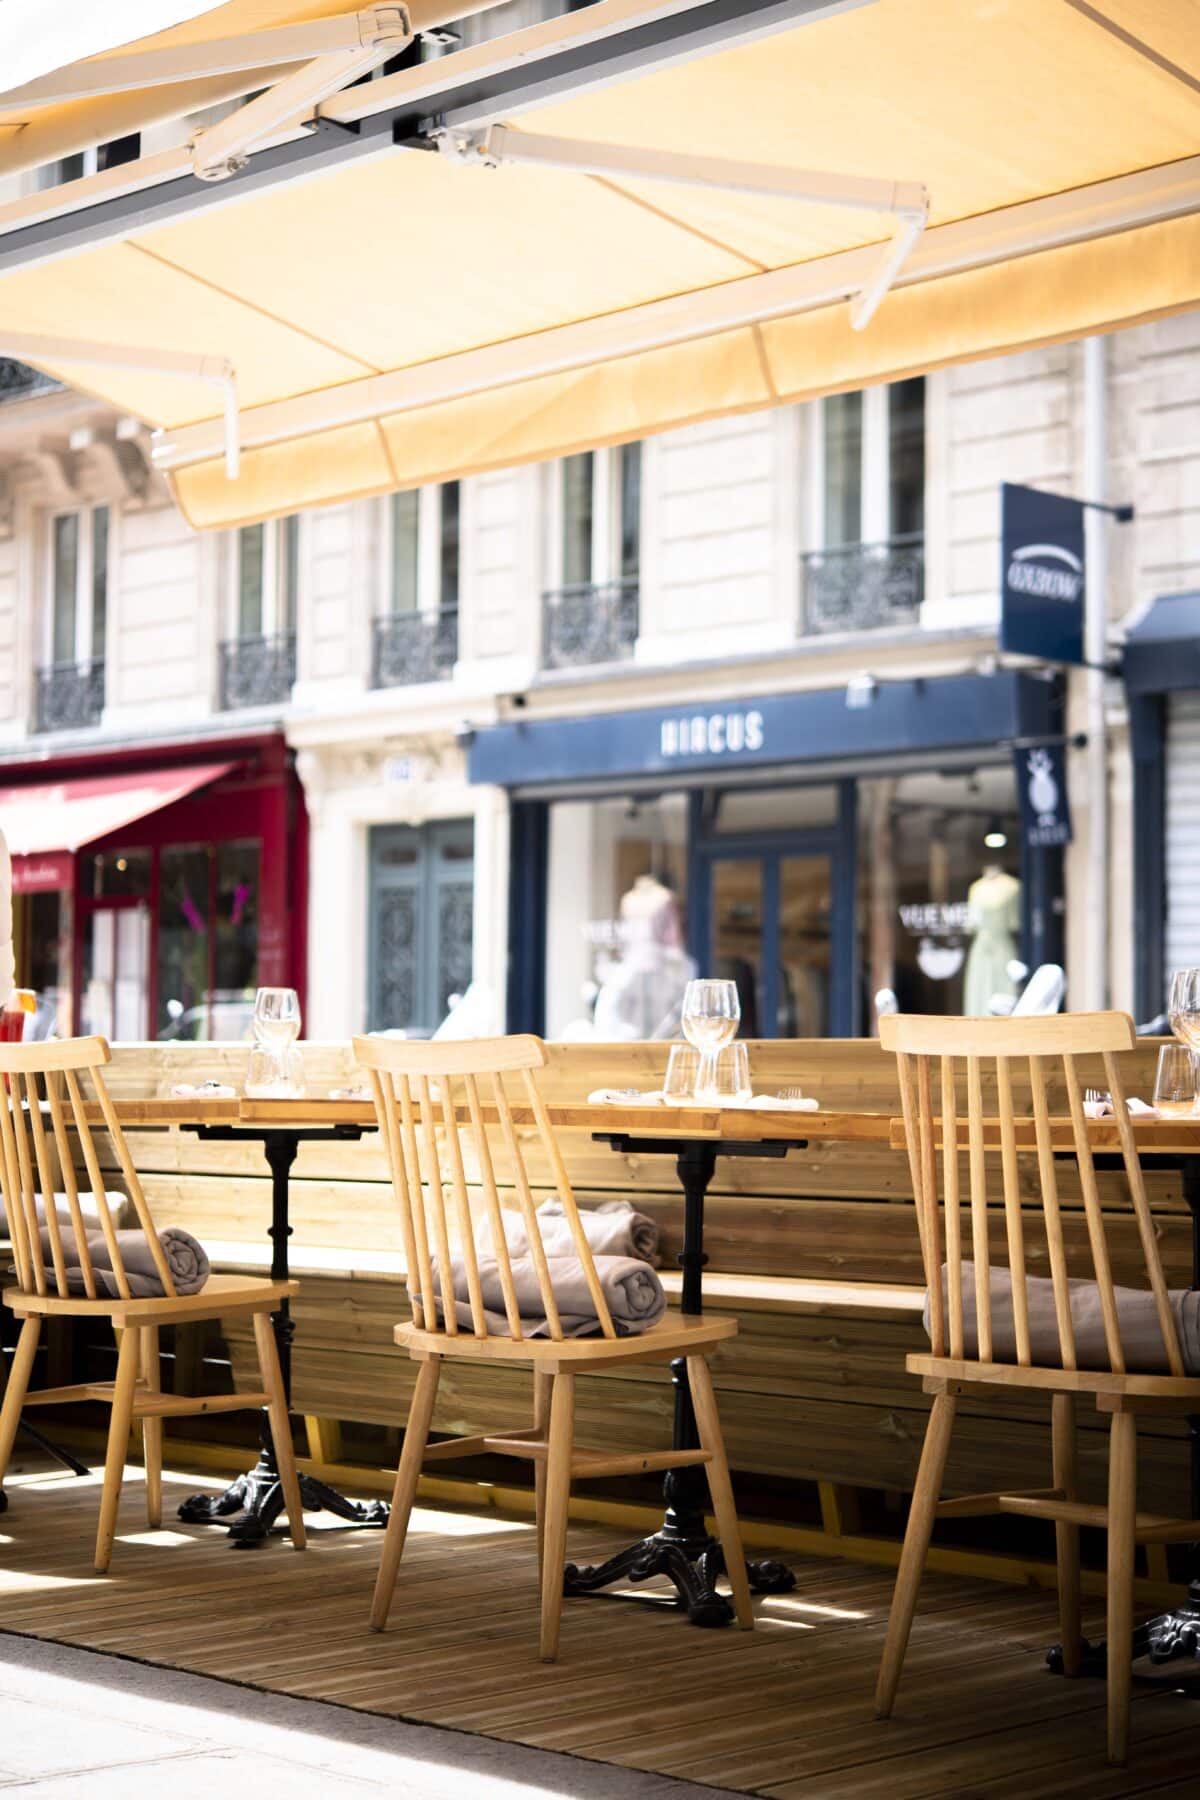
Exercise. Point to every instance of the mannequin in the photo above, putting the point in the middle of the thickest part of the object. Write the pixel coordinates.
(642, 995)
(994, 919)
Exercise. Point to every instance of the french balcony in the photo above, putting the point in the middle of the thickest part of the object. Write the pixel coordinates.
(70, 696)
(862, 587)
(18, 381)
(589, 623)
(412, 647)
(257, 671)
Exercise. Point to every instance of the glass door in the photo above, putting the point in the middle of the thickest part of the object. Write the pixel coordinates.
(116, 970)
(776, 908)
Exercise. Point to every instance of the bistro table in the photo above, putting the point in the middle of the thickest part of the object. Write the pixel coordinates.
(1162, 1144)
(682, 1550)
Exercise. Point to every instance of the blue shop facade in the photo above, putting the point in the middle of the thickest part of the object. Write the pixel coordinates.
(814, 846)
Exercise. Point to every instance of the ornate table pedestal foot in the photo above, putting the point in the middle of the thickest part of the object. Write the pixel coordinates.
(1171, 1638)
(257, 1500)
(683, 1550)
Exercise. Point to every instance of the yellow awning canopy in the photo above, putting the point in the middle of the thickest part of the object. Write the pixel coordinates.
(403, 316)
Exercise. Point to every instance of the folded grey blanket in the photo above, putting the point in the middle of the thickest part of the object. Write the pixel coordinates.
(1141, 1339)
(186, 1257)
(612, 1229)
(633, 1291)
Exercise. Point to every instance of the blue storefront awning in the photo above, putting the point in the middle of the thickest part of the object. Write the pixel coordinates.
(1162, 651)
(720, 737)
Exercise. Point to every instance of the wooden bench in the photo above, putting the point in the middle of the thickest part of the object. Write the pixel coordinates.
(816, 1253)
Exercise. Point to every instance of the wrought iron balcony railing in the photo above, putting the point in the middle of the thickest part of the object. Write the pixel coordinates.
(589, 623)
(18, 381)
(409, 647)
(70, 696)
(257, 671)
(863, 587)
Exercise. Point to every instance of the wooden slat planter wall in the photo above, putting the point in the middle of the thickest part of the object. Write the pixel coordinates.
(813, 1389)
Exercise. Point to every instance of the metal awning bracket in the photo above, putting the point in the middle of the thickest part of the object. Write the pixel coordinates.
(906, 201)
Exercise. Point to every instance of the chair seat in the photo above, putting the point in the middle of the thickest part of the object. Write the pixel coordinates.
(679, 1334)
(1184, 1389)
(221, 1294)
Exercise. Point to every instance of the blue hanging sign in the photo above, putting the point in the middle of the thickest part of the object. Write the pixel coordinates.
(1042, 792)
(1042, 574)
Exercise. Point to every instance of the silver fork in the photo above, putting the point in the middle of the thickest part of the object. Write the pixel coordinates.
(790, 1093)
(1097, 1097)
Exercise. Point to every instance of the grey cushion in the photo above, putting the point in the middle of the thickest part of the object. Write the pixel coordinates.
(1141, 1338)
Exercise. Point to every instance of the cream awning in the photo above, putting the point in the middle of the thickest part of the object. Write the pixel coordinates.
(396, 316)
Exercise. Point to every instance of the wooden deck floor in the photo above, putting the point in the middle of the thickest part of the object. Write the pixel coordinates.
(784, 1711)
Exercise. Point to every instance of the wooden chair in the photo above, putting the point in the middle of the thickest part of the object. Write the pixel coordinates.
(30, 1144)
(413, 1112)
(962, 1048)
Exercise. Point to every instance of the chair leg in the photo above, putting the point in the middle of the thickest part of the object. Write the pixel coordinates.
(118, 1445)
(412, 1455)
(1066, 1477)
(558, 1495)
(708, 1420)
(1122, 1509)
(18, 1386)
(281, 1427)
(152, 1428)
(543, 1387)
(916, 1548)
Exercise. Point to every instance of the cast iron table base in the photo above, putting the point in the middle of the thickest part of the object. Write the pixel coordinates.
(683, 1550)
(1172, 1636)
(255, 1500)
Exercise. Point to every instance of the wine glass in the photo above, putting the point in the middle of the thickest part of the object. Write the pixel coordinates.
(1183, 1007)
(710, 1016)
(277, 1016)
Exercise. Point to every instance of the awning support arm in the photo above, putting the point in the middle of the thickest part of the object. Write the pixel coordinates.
(221, 150)
(32, 347)
(344, 34)
(906, 201)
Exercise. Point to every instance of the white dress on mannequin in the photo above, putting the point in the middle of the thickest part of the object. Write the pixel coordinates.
(995, 919)
(642, 996)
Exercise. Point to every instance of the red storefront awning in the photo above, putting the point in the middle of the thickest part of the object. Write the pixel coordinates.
(47, 822)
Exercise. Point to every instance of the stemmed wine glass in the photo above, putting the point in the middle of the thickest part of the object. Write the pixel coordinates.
(274, 1070)
(1183, 1007)
(710, 1017)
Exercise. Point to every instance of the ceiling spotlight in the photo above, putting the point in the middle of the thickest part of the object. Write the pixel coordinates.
(861, 690)
(995, 838)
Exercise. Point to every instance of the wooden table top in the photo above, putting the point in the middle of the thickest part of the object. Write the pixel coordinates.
(1153, 1137)
(729, 1124)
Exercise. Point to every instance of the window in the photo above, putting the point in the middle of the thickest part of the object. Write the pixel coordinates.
(266, 578)
(590, 610)
(424, 560)
(869, 457)
(78, 586)
(600, 506)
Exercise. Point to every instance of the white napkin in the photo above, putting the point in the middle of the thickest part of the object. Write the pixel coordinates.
(623, 1097)
(205, 1090)
(1102, 1109)
(776, 1103)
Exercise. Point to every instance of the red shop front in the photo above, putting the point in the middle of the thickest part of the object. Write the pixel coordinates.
(154, 890)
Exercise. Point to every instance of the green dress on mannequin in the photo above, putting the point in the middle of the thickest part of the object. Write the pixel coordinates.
(995, 921)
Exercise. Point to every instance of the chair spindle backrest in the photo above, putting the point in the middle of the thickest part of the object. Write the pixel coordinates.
(42, 1083)
(962, 1049)
(426, 1090)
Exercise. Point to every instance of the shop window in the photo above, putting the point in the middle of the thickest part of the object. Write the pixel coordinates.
(865, 565)
(616, 964)
(594, 557)
(43, 939)
(939, 890)
(207, 940)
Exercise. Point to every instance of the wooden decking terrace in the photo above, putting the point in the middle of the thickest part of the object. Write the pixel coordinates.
(784, 1711)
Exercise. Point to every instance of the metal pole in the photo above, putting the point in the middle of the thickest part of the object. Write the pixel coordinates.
(1097, 527)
